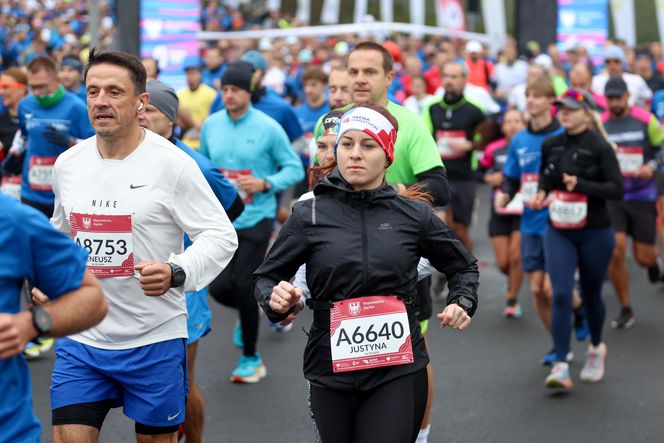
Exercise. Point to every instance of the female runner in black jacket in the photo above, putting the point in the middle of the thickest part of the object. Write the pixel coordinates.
(366, 358)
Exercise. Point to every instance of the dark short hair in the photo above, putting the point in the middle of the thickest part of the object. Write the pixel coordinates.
(123, 60)
(314, 73)
(388, 60)
(43, 62)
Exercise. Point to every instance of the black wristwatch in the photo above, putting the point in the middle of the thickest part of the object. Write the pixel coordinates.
(178, 275)
(466, 303)
(41, 320)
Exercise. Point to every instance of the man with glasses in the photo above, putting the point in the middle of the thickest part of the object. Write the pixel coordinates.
(51, 120)
(615, 62)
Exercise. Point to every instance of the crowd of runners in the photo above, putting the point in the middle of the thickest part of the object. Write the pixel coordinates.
(343, 180)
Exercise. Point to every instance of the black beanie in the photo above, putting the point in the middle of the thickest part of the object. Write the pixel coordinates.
(238, 74)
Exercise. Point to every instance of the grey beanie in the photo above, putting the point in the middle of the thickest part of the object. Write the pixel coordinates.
(163, 98)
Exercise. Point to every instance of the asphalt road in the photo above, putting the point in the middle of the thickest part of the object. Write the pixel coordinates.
(489, 384)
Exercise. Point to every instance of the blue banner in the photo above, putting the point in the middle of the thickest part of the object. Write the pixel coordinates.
(169, 30)
(583, 22)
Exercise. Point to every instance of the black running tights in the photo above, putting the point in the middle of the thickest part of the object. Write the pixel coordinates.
(390, 413)
(232, 287)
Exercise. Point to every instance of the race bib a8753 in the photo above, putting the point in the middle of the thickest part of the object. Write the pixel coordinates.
(108, 241)
(369, 332)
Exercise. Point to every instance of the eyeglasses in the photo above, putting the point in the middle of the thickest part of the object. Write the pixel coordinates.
(610, 61)
(36, 88)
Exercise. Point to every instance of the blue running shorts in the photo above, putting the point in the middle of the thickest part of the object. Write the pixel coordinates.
(199, 315)
(150, 382)
(532, 252)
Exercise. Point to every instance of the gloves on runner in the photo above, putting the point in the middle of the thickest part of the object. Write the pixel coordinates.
(57, 137)
(12, 164)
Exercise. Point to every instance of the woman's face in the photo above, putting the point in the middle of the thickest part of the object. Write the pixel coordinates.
(325, 149)
(11, 92)
(573, 120)
(512, 123)
(361, 160)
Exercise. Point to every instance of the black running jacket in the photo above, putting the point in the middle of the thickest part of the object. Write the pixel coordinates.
(358, 244)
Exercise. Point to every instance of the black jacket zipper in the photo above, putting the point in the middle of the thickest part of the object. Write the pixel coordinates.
(365, 246)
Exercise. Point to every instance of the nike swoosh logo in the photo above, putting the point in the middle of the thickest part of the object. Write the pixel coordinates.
(172, 417)
(136, 187)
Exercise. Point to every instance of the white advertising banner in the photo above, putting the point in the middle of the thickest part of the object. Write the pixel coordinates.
(329, 15)
(623, 20)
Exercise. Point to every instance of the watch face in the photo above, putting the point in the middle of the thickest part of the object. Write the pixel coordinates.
(42, 320)
(465, 303)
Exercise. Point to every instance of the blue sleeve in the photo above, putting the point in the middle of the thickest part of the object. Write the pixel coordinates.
(512, 168)
(291, 170)
(292, 124)
(55, 264)
(21, 117)
(83, 128)
(217, 104)
(202, 143)
(222, 188)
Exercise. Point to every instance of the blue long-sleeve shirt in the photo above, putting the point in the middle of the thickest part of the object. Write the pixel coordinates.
(257, 143)
(70, 116)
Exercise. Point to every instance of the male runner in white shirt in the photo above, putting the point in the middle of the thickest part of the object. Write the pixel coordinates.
(128, 196)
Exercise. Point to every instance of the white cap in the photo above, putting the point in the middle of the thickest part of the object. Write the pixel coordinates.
(265, 44)
(473, 46)
(544, 60)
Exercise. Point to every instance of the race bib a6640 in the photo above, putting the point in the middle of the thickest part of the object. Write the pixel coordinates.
(369, 332)
(108, 241)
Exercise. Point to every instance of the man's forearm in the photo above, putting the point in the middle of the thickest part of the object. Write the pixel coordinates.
(78, 310)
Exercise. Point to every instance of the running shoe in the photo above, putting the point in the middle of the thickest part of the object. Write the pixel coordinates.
(31, 350)
(279, 329)
(512, 311)
(550, 358)
(593, 370)
(656, 271)
(624, 320)
(237, 335)
(45, 344)
(249, 370)
(581, 329)
(559, 377)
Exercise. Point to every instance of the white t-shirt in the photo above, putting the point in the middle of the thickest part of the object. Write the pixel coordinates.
(639, 92)
(135, 209)
(508, 76)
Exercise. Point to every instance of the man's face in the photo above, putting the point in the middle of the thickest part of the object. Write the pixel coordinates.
(614, 67)
(42, 83)
(235, 99)
(339, 86)
(193, 78)
(617, 104)
(369, 82)
(70, 77)
(112, 100)
(643, 67)
(537, 104)
(580, 78)
(213, 59)
(150, 68)
(454, 79)
(534, 72)
(156, 121)
(314, 90)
